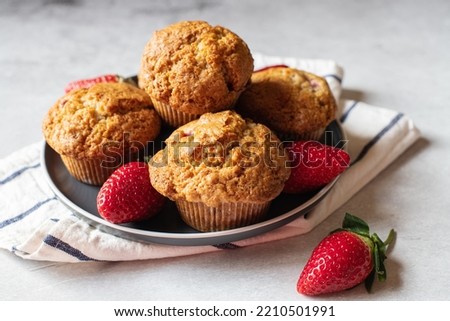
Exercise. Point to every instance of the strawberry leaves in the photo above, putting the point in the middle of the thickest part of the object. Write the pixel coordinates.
(356, 225)
(346, 257)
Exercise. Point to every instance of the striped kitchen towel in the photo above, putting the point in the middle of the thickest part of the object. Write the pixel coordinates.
(34, 224)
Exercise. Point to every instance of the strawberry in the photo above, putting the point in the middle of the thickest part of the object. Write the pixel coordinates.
(270, 67)
(128, 196)
(344, 259)
(313, 165)
(85, 83)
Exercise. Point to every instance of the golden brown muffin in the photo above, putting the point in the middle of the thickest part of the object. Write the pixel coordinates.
(221, 170)
(191, 68)
(294, 103)
(97, 129)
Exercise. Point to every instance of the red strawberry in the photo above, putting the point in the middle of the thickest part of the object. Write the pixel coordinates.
(128, 196)
(270, 67)
(85, 83)
(314, 165)
(344, 259)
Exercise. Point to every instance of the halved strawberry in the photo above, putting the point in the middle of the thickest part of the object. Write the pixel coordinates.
(128, 196)
(344, 259)
(313, 165)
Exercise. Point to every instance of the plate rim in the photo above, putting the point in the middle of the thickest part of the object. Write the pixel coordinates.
(193, 238)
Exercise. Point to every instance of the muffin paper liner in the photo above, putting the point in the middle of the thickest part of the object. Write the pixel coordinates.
(172, 117)
(90, 171)
(176, 118)
(223, 217)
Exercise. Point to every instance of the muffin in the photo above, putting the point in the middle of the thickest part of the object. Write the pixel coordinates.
(294, 103)
(191, 68)
(97, 129)
(221, 170)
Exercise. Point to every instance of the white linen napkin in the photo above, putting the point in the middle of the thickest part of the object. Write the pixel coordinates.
(35, 225)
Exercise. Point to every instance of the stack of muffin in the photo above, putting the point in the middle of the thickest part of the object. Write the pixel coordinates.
(223, 164)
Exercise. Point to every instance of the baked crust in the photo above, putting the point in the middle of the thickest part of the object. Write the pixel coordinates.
(220, 158)
(86, 122)
(288, 100)
(195, 67)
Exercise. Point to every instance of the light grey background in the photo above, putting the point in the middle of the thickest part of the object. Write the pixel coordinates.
(396, 54)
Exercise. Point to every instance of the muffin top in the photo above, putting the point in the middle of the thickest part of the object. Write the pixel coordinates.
(220, 157)
(107, 117)
(195, 67)
(288, 100)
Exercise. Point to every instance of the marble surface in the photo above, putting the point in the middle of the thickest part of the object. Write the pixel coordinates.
(395, 55)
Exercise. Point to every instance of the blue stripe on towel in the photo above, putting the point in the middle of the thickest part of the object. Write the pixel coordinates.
(18, 172)
(377, 137)
(348, 111)
(17, 251)
(339, 79)
(63, 246)
(227, 246)
(26, 213)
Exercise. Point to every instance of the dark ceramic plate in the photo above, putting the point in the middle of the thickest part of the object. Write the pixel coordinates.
(167, 227)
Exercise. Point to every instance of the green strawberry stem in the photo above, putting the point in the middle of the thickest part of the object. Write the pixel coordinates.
(356, 225)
